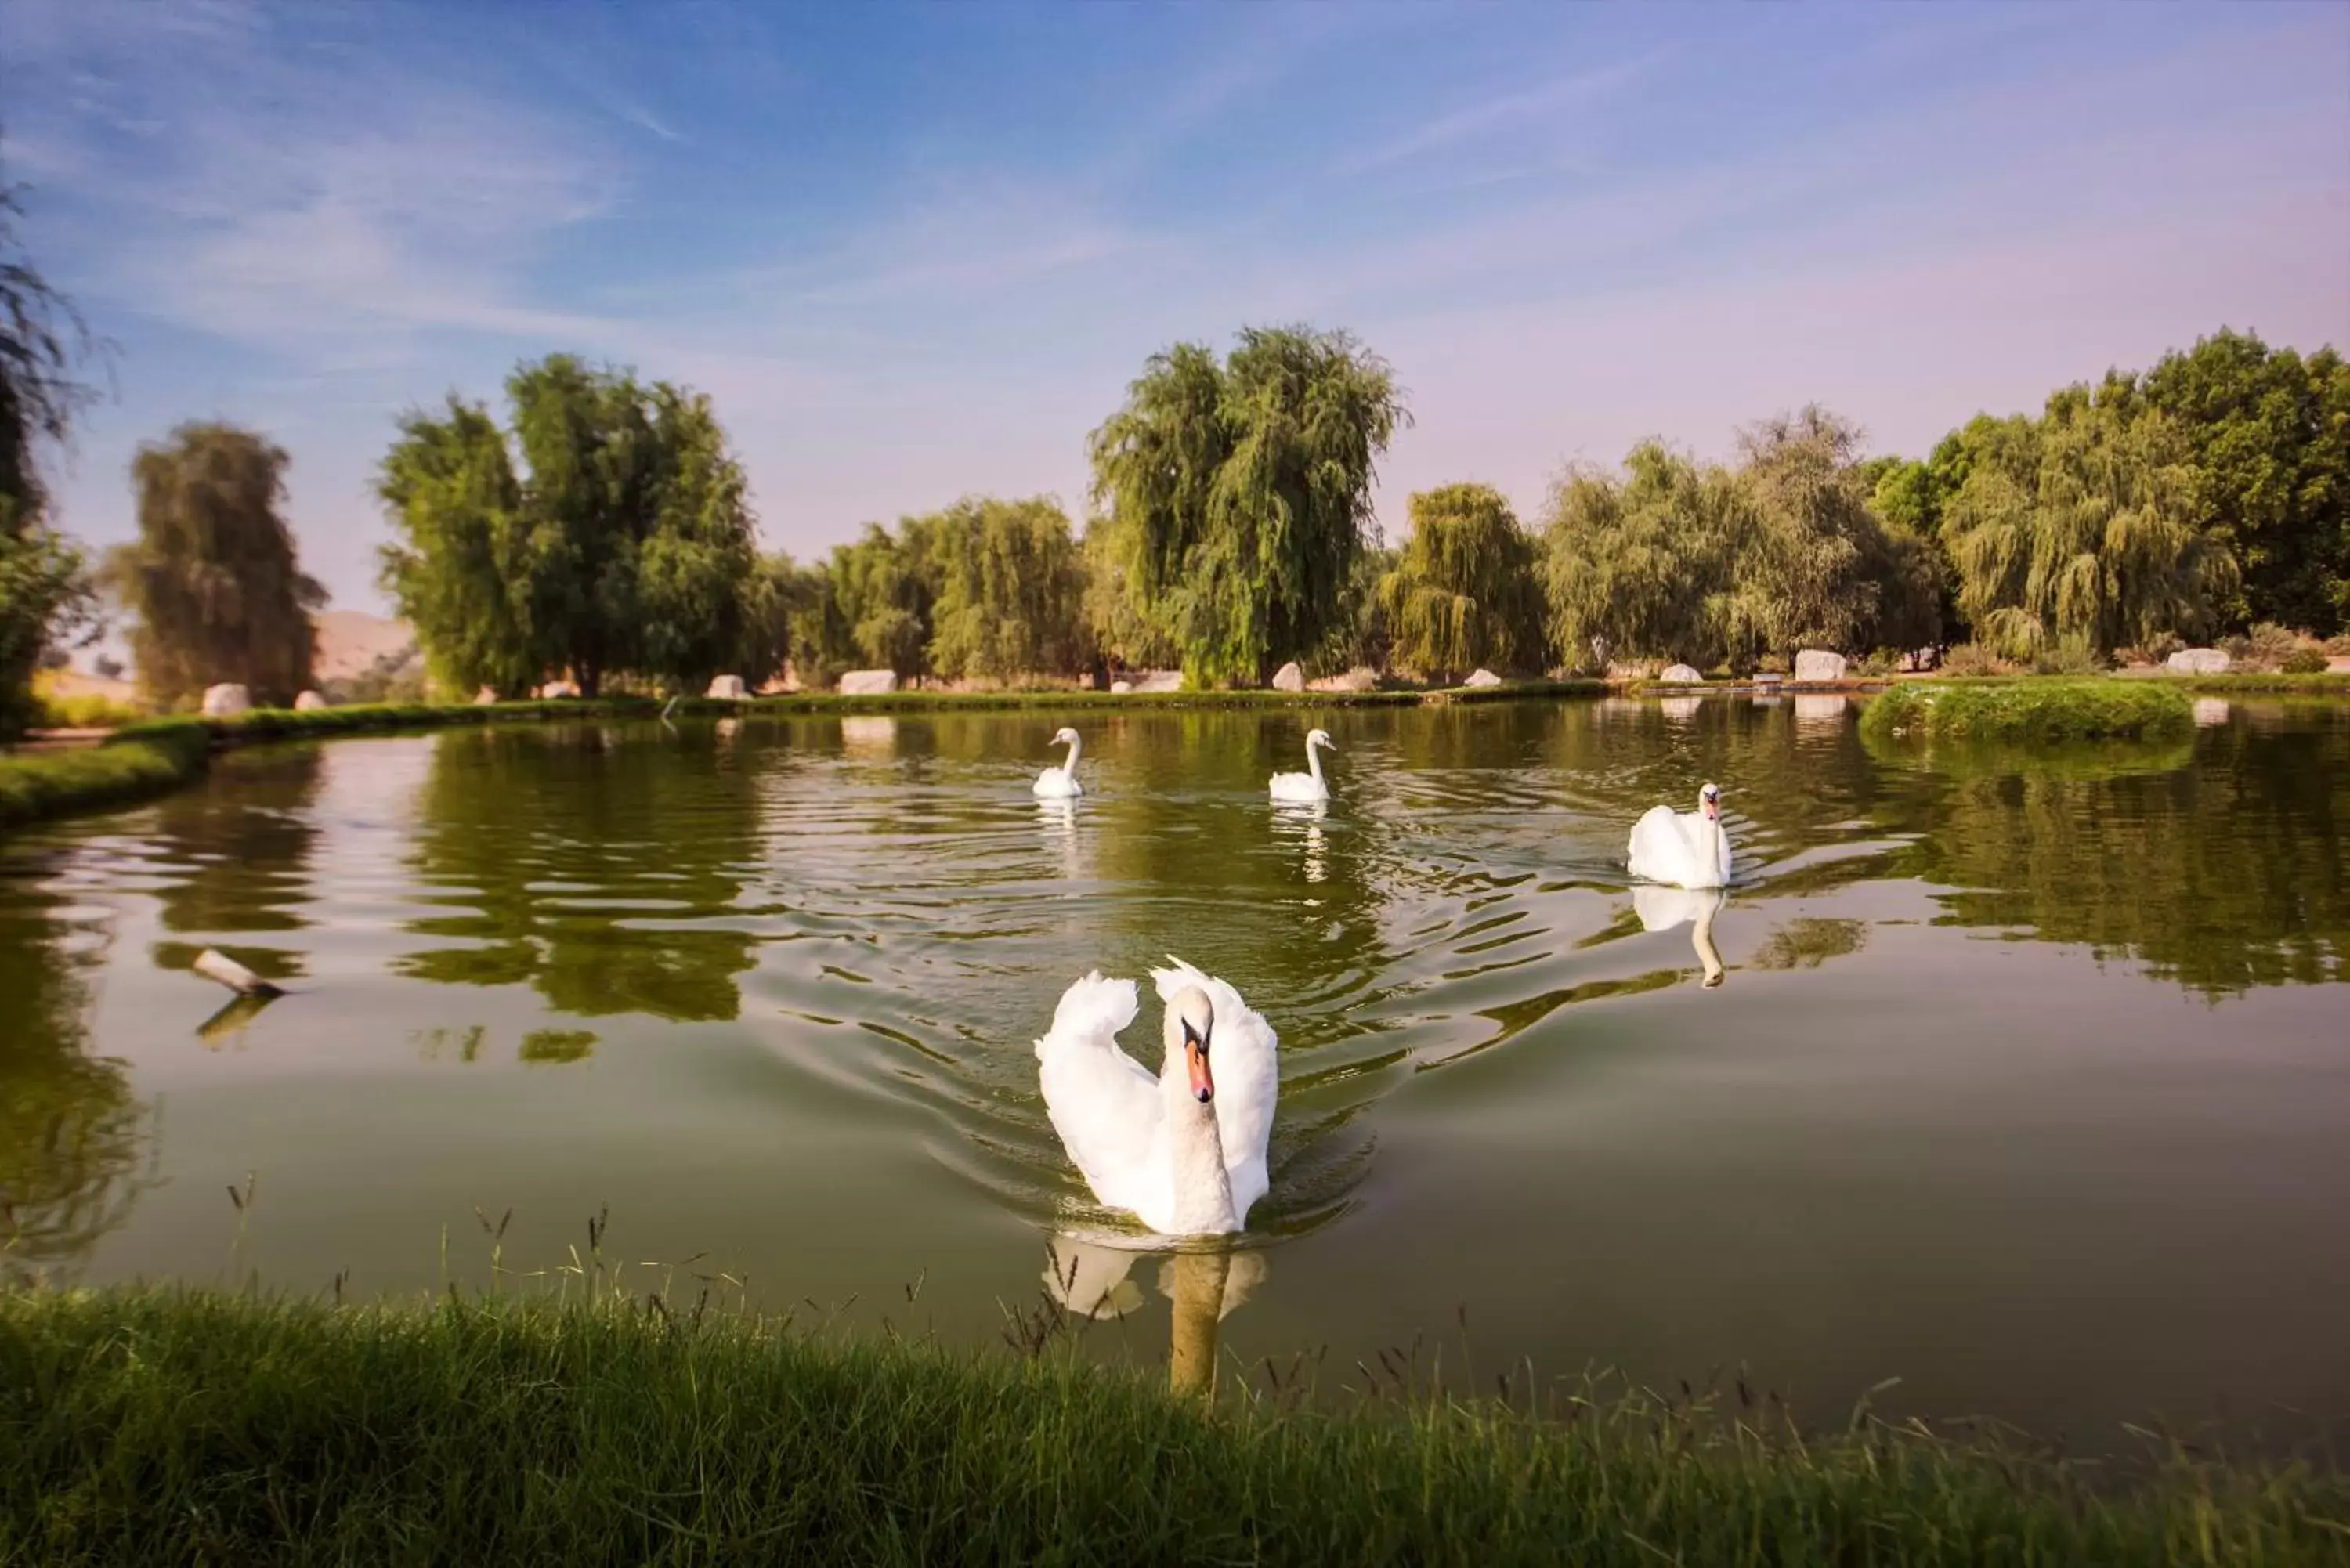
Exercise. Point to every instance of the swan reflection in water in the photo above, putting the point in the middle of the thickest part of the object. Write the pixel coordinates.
(1662, 909)
(1206, 1283)
(1304, 820)
(1056, 824)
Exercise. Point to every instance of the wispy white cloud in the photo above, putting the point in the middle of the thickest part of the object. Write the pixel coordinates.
(1582, 89)
(304, 193)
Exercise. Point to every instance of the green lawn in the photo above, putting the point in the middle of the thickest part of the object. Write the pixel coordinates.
(165, 1427)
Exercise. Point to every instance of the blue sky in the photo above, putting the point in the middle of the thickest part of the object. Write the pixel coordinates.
(917, 252)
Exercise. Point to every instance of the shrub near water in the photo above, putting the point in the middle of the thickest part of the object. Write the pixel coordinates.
(2031, 710)
(161, 1428)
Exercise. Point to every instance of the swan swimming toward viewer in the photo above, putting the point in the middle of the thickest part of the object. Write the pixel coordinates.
(1687, 849)
(1061, 783)
(1184, 1149)
(1308, 785)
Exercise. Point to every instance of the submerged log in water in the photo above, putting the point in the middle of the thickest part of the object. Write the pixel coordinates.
(213, 965)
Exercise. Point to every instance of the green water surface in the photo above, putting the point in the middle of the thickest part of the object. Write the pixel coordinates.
(2028, 1081)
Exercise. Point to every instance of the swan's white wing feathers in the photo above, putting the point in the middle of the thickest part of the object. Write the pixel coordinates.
(1669, 846)
(1105, 1104)
(1248, 1078)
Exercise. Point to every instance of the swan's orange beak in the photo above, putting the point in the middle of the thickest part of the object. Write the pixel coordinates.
(1195, 1057)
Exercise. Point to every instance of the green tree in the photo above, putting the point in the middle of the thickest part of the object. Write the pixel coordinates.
(1012, 591)
(460, 567)
(775, 632)
(1804, 543)
(1123, 631)
(1463, 593)
(1631, 564)
(1235, 496)
(44, 592)
(699, 560)
(212, 581)
(1361, 634)
(625, 544)
(882, 593)
(2270, 435)
(2080, 530)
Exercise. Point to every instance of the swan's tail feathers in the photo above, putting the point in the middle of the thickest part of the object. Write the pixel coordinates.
(1174, 978)
(1092, 1011)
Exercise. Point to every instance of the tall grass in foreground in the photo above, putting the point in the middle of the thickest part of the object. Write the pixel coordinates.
(167, 1426)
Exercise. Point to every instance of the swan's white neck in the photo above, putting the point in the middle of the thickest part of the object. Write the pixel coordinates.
(1070, 766)
(1314, 760)
(1195, 1159)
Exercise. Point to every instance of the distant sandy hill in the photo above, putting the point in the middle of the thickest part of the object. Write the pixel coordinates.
(351, 641)
(64, 683)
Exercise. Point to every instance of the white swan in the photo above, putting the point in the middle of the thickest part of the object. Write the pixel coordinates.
(1684, 850)
(1061, 783)
(1308, 785)
(1183, 1150)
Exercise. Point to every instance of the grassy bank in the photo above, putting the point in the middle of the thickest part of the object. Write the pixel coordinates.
(2048, 711)
(141, 760)
(164, 1427)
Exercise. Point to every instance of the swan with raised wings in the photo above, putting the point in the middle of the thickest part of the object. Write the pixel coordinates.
(1308, 787)
(1182, 1149)
(1061, 783)
(1683, 850)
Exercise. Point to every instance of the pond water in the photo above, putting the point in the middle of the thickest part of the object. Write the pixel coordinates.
(2025, 1082)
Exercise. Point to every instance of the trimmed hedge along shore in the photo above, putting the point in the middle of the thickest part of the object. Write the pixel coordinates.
(167, 1426)
(2043, 711)
(142, 760)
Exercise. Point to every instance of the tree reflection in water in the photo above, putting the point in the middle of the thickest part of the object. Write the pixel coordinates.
(537, 843)
(72, 1135)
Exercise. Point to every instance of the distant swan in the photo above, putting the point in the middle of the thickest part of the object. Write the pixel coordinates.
(1684, 850)
(1184, 1149)
(1061, 783)
(1308, 785)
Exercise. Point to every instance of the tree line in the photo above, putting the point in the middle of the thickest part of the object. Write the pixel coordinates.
(597, 528)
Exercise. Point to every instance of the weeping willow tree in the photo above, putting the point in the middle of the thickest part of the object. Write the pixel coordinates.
(1234, 497)
(1631, 563)
(1124, 632)
(45, 595)
(2080, 531)
(1810, 555)
(1463, 593)
(212, 580)
(1012, 591)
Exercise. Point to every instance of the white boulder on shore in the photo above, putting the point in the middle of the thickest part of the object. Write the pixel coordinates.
(1289, 678)
(1120, 687)
(727, 688)
(2199, 661)
(226, 700)
(555, 689)
(1482, 677)
(485, 696)
(869, 682)
(309, 702)
(1817, 664)
(1159, 681)
(1681, 674)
